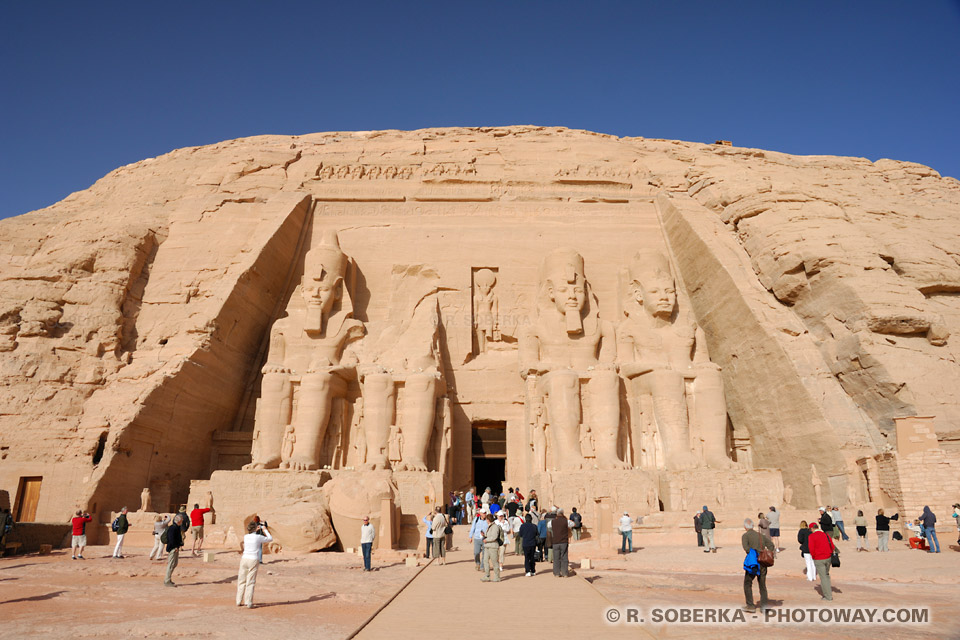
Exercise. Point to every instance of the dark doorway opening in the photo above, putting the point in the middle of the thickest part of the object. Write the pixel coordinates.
(489, 472)
(489, 449)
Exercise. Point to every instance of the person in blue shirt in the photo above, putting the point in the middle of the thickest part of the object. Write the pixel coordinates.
(542, 538)
(477, 531)
(494, 507)
(428, 520)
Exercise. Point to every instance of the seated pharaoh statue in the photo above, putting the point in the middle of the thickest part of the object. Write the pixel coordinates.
(309, 347)
(567, 357)
(664, 354)
(407, 355)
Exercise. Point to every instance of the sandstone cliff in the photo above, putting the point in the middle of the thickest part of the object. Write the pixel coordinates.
(134, 315)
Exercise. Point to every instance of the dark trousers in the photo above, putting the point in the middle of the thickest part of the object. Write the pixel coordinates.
(529, 566)
(748, 586)
(699, 538)
(367, 547)
(560, 562)
(429, 546)
(541, 543)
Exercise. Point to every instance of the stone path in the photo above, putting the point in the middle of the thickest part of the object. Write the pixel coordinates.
(446, 597)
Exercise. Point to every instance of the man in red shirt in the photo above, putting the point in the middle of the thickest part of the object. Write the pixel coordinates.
(821, 550)
(79, 540)
(196, 521)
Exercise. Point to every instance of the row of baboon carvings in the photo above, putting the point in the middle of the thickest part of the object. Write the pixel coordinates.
(449, 169)
(571, 362)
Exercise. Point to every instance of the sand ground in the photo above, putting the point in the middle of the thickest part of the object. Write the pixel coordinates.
(326, 595)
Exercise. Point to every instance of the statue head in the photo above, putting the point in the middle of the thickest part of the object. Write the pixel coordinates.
(564, 285)
(652, 285)
(485, 279)
(322, 285)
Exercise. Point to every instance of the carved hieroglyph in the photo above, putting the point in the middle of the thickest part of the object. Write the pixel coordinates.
(308, 346)
(486, 308)
(663, 353)
(570, 351)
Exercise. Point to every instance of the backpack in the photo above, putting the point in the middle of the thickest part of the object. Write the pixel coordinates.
(577, 520)
(116, 524)
(163, 536)
(750, 563)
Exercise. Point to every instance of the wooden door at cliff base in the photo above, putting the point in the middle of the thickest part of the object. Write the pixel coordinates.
(28, 496)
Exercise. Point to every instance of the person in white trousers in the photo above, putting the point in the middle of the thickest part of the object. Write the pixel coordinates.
(257, 535)
(159, 525)
(122, 526)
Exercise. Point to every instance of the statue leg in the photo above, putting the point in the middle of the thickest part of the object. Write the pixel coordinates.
(604, 387)
(563, 409)
(276, 398)
(670, 411)
(711, 416)
(419, 412)
(313, 415)
(379, 411)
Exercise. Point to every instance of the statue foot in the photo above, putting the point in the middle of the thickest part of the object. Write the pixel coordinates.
(302, 465)
(614, 463)
(414, 465)
(269, 464)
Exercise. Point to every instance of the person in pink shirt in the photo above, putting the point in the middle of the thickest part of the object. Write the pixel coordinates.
(196, 522)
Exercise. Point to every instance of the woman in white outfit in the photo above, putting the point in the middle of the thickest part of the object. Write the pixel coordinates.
(250, 562)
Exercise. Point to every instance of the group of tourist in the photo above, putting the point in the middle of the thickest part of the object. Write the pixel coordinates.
(818, 544)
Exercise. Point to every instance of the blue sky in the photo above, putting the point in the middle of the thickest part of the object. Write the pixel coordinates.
(90, 86)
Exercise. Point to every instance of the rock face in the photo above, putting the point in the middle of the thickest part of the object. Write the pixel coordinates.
(144, 320)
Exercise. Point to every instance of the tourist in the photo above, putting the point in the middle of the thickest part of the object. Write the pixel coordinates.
(802, 537)
(542, 538)
(763, 526)
(256, 519)
(577, 526)
(956, 518)
(826, 521)
(185, 520)
(861, 524)
(561, 543)
(838, 523)
(250, 561)
(929, 521)
(511, 496)
(696, 527)
(512, 508)
(79, 539)
(428, 521)
(159, 524)
(626, 533)
(533, 503)
(6, 526)
(485, 498)
(528, 536)
(196, 520)
(515, 523)
(504, 524)
(883, 529)
(477, 531)
(708, 523)
(774, 517)
(548, 543)
(492, 539)
(755, 540)
(821, 548)
(174, 535)
(439, 537)
(469, 500)
(519, 495)
(122, 525)
(493, 507)
(916, 540)
(367, 534)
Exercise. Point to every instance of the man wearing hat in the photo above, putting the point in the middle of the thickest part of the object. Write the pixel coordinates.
(708, 522)
(367, 534)
(477, 531)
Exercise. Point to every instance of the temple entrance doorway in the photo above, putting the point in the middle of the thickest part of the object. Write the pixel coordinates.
(489, 444)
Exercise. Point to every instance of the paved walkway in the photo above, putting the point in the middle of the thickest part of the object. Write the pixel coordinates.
(445, 597)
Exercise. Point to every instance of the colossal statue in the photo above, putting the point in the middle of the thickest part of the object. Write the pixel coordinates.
(664, 354)
(307, 346)
(486, 308)
(407, 356)
(570, 351)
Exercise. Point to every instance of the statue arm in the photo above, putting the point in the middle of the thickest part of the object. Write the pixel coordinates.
(608, 346)
(277, 352)
(495, 310)
(529, 349)
(701, 357)
(627, 355)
